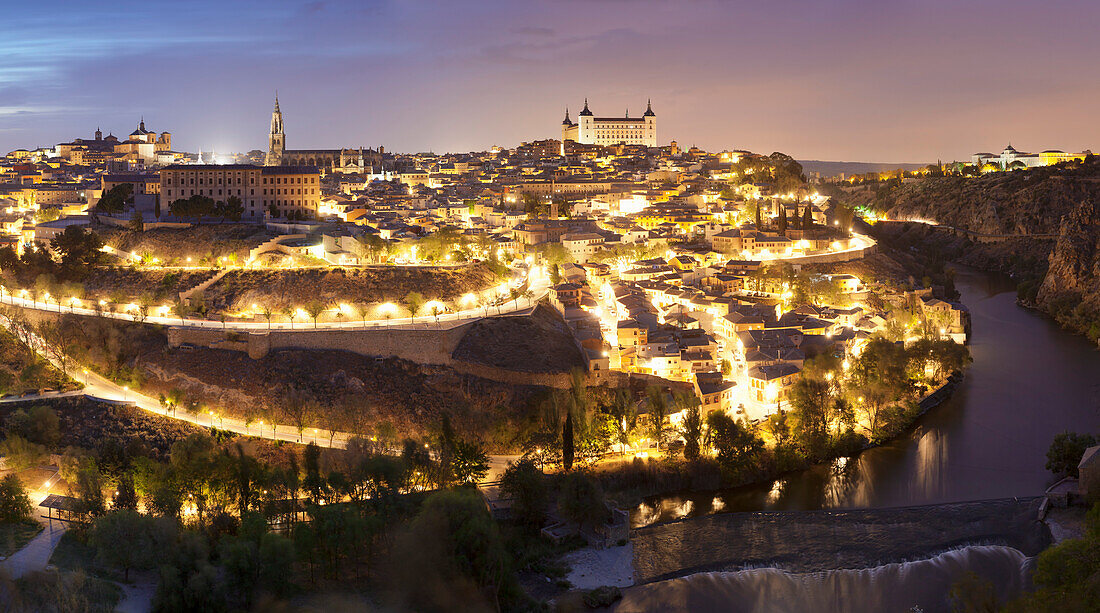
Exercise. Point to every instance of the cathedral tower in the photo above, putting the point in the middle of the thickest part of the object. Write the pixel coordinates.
(276, 140)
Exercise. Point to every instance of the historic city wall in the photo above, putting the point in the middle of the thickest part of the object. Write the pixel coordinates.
(425, 346)
(831, 258)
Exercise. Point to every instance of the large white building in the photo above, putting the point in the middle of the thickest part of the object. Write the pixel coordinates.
(592, 130)
(1011, 159)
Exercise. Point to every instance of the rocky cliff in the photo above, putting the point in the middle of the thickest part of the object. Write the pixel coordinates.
(1071, 289)
(1058, 200)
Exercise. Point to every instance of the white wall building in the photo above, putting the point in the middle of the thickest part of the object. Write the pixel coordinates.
(592, 130)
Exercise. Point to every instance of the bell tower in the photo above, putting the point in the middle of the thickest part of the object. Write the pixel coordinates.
(276, 139)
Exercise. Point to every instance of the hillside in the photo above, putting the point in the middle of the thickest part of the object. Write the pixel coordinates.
(281, 288)
(1060, 200)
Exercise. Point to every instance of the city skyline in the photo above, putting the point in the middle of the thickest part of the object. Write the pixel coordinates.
(853, 81)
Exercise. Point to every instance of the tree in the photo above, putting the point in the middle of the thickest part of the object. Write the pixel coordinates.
(116, 199)
(567, 442)
(782, 224)
(1065, 453)
(526, 485)
(453, 549)
(19, 453)
(581, 501)
(624, 413)
(738, 448)
(315, 308)
(232, 208)
(470, 463)
(15, 506)
(80, 249)
(40, 425)
(811, 410)
(414, 301)
(126, 496)
(658, 410)
(122, 539)
(692, 431)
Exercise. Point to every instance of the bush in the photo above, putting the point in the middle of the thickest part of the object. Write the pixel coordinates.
(1065, 452)
(14, 504)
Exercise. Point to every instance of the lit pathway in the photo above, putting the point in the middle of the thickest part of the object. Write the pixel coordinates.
(539, 286)
(102, 388)
(36, 554)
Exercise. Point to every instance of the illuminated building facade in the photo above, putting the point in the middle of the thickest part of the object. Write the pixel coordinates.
(327, 160)
(606, 131)
(275, 191)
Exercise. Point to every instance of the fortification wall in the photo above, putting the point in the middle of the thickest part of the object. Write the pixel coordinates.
(428, 346)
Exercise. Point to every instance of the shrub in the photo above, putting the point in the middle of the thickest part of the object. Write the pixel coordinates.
(14, 504)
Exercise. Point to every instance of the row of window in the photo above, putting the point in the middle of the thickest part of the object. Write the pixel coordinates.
(252, 192)
(222, 180)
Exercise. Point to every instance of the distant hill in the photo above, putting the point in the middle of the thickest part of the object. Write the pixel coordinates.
(832, 169)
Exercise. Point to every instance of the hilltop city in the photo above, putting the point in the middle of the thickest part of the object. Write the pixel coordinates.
(299, 365)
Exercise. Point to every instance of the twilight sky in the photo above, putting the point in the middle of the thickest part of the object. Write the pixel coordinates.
(889, 81)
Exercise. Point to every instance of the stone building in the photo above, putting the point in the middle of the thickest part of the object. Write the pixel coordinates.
(265, 191)
(605, 131)
(326, 160)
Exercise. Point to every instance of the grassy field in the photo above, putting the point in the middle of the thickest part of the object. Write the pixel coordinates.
(15, 536)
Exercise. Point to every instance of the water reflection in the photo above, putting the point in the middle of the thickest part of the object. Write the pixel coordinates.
(1029, 381)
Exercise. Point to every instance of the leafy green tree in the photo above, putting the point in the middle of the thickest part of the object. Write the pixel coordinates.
(122, 539)
(581, 501)
(116, 199)
(414, 301)
(126, 495)
(1067, 575)
(526, 485)
(453, 552)
(658, 412)
(15, 506)
(315, 308)
(232, 208)
(277, 556)
(80, 249)
(811, 410)
(40, 425)
(691, 427)
(21, 453)
(1065, 453)
(469, 463)
(738, 449)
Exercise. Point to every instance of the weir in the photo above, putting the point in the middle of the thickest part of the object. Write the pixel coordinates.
(809, 541)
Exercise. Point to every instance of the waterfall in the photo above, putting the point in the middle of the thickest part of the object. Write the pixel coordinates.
(919, 585)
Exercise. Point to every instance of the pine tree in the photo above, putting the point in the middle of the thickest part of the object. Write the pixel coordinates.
(567, 443)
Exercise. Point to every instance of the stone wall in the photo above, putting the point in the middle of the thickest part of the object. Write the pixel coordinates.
(423, 346)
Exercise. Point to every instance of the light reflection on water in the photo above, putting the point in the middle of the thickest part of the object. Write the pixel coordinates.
(1029, 381)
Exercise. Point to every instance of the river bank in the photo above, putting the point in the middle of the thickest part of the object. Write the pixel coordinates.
(1029, 381)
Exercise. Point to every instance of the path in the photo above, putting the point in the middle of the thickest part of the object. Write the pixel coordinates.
(538, 284)
(137, 596)
(36, 554)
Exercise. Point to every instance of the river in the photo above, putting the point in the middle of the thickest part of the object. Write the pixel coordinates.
(1029, 381)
